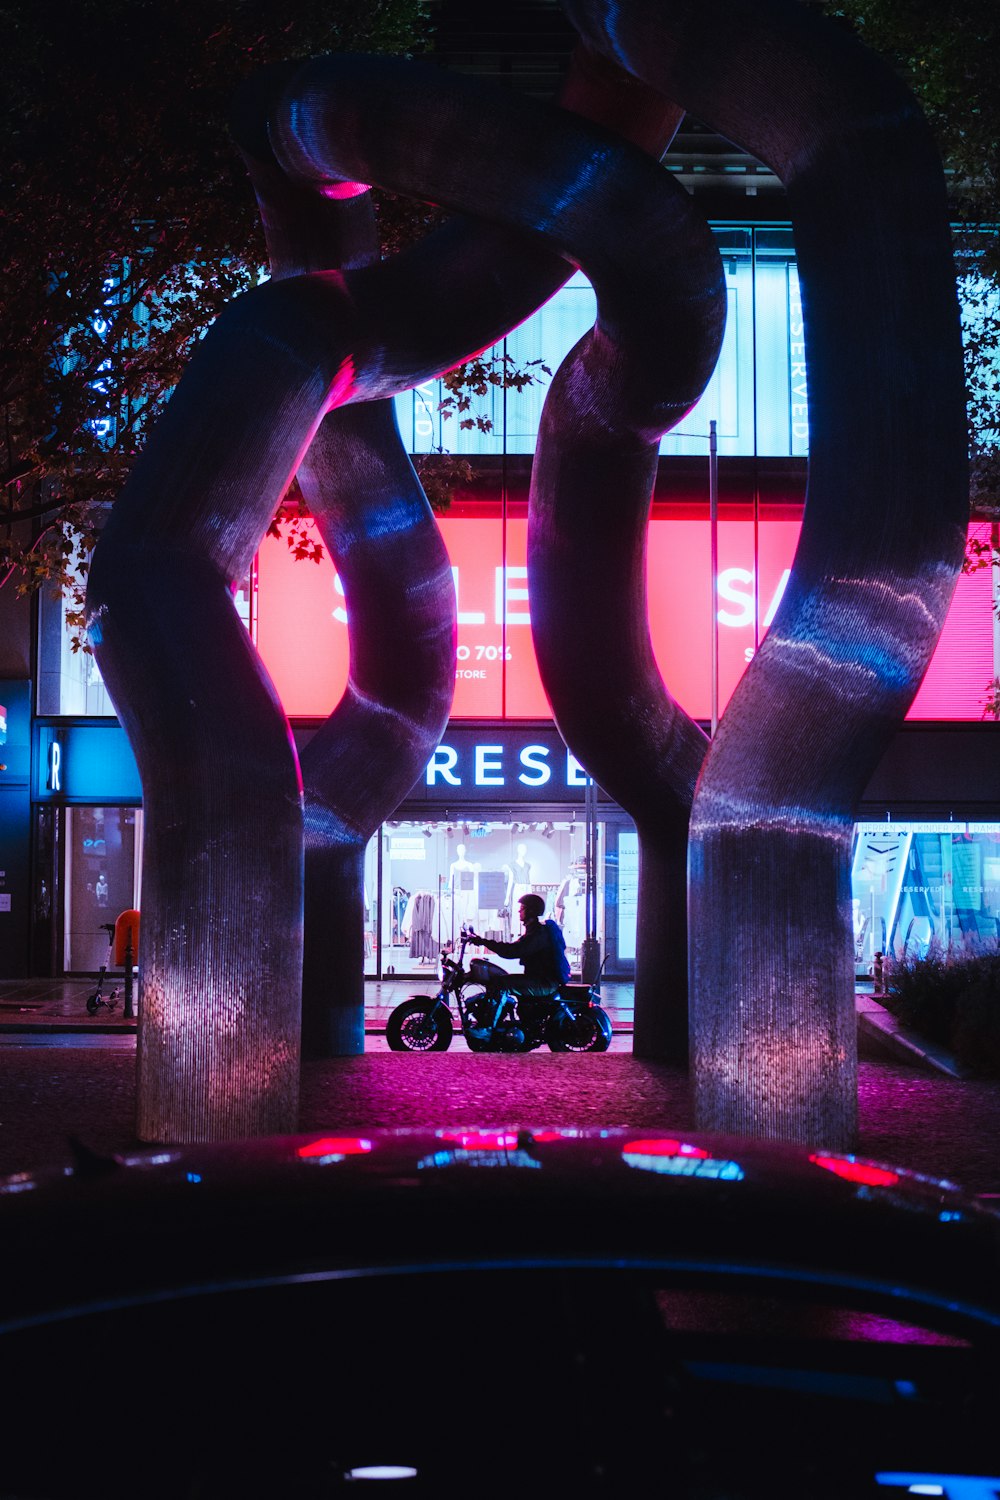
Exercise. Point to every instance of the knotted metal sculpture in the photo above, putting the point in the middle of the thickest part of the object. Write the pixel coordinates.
(293, 376)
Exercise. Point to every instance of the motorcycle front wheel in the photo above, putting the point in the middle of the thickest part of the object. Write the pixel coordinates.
(415, 1026)
(586, 1031)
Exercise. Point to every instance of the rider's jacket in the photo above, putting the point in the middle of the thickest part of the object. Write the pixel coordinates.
(536, 952)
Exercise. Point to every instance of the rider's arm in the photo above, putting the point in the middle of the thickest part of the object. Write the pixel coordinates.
(528, 942)
(505, 950)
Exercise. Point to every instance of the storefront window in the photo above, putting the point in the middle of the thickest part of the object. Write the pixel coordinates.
(628, 893)
(916, 887)
(302, 626)
(438, 876)
(921, 887)
(102, 874)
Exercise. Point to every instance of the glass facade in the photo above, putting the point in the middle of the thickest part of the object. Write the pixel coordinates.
(100, 878)
(917, 886)
(914, 884)
(759, 398)
(69, 682)
(757, 395)
(436, 876)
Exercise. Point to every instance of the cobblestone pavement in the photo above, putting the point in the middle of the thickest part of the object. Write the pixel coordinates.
(85, 1087)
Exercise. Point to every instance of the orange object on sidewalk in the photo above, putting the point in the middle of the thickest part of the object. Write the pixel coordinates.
(126, 932)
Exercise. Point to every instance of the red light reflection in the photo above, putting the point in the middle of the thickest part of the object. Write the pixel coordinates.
(664, 1147)
(857, 1171)
(336, 1145)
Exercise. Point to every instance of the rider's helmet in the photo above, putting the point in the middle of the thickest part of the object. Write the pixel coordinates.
(532, 905)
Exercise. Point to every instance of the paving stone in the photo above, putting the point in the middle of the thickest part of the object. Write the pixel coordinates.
(942, 1126)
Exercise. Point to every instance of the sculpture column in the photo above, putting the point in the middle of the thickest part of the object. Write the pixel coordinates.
(773, 1031)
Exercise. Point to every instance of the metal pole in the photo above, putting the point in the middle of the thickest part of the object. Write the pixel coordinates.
(713, 517)
(591, 901)
(129, 1010)
(503, 544)
(590, 954)
(379, 905)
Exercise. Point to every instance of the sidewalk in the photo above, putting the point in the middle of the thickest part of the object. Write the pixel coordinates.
(60, 1005)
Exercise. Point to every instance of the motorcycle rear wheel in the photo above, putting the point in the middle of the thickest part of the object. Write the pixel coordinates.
(587, 1031)
(413, 1027)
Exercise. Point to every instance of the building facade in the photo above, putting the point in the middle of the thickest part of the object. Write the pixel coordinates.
(503, 806)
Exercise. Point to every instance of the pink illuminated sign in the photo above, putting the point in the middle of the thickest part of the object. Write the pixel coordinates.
(302, 620)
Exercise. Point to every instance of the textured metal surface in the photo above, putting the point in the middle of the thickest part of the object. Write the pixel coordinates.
(361, 487)
(376, 522)
(661, 314)
(773, 1039)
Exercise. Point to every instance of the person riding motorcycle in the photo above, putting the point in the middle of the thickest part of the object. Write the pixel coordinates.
(541, 949)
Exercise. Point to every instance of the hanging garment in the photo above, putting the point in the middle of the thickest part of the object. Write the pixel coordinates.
(422, 940)
(400, 900)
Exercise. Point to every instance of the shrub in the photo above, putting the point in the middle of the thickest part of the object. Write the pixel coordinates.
(923, 993)
(976, 1034)
(952, 999)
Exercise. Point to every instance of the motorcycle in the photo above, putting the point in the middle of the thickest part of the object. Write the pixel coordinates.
(570, 1020)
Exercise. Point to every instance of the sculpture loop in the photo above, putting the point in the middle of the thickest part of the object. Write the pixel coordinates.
(294, 377)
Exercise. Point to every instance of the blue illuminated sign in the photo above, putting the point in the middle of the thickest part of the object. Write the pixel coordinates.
(510, 763)
(86, 763)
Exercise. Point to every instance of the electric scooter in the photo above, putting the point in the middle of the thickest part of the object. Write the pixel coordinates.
(96, 1001)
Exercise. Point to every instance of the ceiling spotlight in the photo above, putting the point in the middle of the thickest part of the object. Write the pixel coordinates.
(427, 833)
(382, 1471)
(548, 831)
(465, 829)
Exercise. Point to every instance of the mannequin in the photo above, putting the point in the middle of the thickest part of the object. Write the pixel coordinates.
(570, 909)
(463, 881)
(522, 875)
